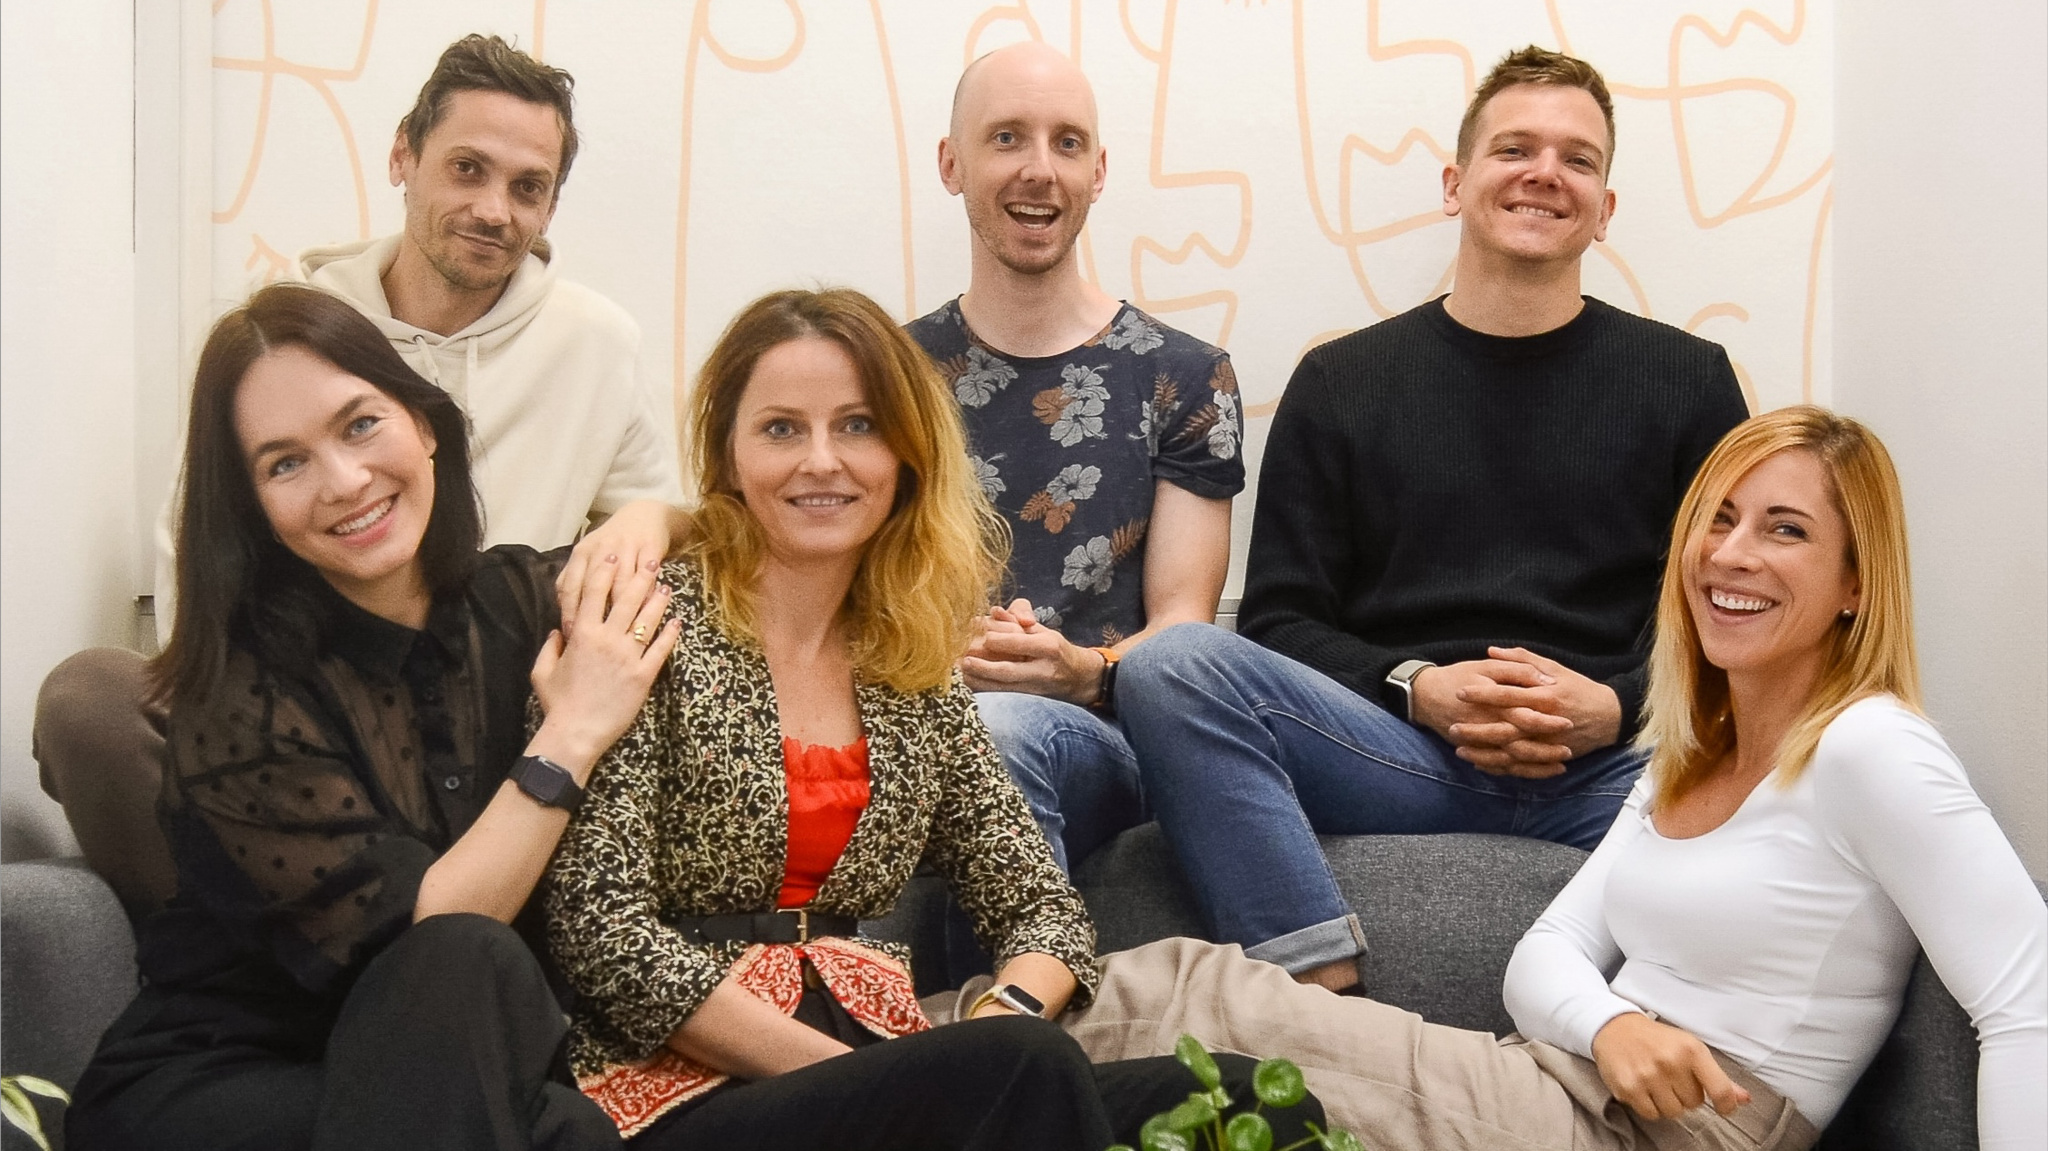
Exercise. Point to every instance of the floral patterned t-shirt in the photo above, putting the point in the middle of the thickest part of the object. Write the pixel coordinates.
(1069, 447)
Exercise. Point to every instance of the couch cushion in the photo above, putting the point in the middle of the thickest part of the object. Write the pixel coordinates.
(1441, 912)
(67, 968)
(1921, 1090)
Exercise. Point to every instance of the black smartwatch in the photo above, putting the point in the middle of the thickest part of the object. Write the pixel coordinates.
(548, 782)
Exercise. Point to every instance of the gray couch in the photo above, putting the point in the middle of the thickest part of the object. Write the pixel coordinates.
(1441, 912)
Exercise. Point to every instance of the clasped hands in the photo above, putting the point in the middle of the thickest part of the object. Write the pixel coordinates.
(1516, 713)
(1014, 652)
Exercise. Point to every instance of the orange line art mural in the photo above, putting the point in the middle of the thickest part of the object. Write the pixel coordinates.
(270, 66)
(902, 158)
(700, 37)
(1021, 13)
(1679, 92)
(1343, 232)
(1313, 210)
(1155, 171)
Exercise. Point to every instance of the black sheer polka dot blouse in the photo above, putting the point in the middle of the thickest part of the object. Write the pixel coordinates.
(304, 804)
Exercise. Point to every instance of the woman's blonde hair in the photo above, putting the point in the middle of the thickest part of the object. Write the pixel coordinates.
(1687, 725)
(933, 564)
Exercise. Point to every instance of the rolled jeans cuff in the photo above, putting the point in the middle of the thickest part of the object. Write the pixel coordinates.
(1313, 946)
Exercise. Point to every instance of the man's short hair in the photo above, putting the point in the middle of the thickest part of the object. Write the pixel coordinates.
(478, 63)
(1533, 65)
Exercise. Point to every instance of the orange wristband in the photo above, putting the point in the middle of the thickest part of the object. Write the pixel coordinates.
(1105, 691)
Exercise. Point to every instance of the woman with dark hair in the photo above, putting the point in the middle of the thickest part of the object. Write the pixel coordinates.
(810, 744)
(356, 813)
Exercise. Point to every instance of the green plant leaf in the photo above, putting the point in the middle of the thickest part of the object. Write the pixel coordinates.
(1195, 1112)
(1196, 1058)
(1248, 1132)
(40, 1086)
(1278, 1083)
(1156, 1135)
(1119, 1147)
(17, 1110)
(1337, 1140)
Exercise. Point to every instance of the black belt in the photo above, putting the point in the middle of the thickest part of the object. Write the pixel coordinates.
(796, 925)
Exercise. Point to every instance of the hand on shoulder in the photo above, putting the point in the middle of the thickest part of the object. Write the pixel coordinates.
(592, 683)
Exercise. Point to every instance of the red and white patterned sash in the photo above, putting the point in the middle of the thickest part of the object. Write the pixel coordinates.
(872, 986)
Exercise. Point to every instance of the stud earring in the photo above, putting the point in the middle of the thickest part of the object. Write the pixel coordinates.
(1848, 615)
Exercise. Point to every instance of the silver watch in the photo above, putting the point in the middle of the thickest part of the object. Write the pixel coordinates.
(1403, 677)
(1011, 996)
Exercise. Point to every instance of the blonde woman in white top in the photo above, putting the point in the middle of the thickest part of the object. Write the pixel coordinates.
(1733, 954)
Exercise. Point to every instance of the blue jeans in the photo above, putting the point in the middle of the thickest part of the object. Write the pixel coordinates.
(1074, 767)
(1246, 756)
(1080, 779)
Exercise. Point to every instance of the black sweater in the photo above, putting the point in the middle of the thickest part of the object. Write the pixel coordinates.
(1428, 490)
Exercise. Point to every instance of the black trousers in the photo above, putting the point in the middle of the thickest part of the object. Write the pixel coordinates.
(995, 1084)
(451, 1039)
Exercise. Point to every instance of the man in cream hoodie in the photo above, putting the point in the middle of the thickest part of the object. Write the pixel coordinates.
(565, 432)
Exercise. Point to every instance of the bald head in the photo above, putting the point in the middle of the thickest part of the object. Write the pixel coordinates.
(1024, 157)
(1031, 66)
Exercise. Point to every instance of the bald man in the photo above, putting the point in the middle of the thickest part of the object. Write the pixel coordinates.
(1108, 440)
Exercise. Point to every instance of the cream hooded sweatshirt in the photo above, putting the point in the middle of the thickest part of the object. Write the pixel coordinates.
(564, 431)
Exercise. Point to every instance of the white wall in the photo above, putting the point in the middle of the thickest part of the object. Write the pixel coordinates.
(1941, 344)
(67, 378)
(1273, 175)
(1857, 212)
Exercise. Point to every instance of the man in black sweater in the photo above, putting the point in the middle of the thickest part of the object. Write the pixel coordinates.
(1460, 529)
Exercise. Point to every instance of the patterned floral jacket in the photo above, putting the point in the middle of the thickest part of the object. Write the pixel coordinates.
(687, 815)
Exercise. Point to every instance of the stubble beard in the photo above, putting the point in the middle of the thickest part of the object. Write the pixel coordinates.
(991, 226)
(440, 249)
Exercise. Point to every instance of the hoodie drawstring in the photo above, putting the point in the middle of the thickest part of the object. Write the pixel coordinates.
(419, 342)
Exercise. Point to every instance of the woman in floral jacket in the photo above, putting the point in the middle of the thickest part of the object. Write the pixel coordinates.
(808, 744)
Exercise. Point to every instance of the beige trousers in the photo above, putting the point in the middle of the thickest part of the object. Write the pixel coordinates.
(1396, 1081)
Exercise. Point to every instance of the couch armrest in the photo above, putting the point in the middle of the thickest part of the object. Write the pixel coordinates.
(67, 966)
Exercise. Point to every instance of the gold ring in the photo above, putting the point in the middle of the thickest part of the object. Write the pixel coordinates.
(640, 634)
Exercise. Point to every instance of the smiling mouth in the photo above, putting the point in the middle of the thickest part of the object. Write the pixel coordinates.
(1534, 210)
(1729, 602)
(821, 501)
(366, 521)
(1032, 215)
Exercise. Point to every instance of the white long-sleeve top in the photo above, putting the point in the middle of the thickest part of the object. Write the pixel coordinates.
(1784, 937)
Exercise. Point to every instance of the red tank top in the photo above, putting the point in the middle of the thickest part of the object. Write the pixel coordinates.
(828, 789)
